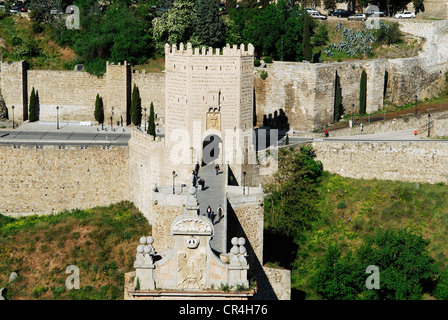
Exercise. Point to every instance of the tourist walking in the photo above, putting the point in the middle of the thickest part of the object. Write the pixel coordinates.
(217, 169)
(326, 133)
(209, 211)
(219, 213)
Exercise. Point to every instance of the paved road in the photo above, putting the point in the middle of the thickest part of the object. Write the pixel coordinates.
(213, 195)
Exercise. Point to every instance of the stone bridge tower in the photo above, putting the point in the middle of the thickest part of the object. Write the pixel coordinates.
(209, 97)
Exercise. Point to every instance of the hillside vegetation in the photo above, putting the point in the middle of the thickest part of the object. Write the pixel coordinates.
(351, 224)
(100, 241)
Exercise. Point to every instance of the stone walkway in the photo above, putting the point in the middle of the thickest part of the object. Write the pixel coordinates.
(213, 195)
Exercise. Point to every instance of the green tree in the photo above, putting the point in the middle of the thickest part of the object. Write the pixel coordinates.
(363, 92)
(33, 107)
(406, 268)
(99, 109)
(338, 109)
(209, 28)
(176, 25)
(136, 107)
(151, 121)
(291, 197)
(307, 49)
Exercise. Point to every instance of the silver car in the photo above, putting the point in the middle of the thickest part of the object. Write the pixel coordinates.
(358, 16)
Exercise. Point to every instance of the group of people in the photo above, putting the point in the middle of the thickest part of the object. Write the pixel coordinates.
(212, 215)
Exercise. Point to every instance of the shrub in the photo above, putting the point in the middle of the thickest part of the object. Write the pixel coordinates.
(268, 59)
(257, 63)
(263, 74)
(341, 205)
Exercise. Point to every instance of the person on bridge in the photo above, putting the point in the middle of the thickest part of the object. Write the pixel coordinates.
(326, 133)
(219, 213)
(217, 169)
(209, 211)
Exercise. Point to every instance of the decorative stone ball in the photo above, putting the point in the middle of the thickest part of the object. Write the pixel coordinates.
(234, 241)
(140, 249)
(143, 240)
(242, 250)
(149, 240)
(147, 249)
(241, 241)
(234, 250)
(192, 190)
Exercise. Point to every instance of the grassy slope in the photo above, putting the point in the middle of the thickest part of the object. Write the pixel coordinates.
(353, 209)
(100, 241)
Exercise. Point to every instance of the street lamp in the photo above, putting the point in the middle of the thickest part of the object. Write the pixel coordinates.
(111, 123)
(13, 125)
(174, 175)
(429, 121)
(57, 117)
(145, 119)
(244, 182)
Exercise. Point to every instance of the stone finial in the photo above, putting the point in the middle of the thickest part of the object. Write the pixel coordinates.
(189, 48)
(167, 48)
(250, 49)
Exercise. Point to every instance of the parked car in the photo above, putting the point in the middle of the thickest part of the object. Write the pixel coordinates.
(14, 9)
(341, 13)
(311, 10)
(358, 16)
(405, 15)
(320, 16)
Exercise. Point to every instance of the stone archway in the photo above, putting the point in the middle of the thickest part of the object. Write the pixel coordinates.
(211, 149)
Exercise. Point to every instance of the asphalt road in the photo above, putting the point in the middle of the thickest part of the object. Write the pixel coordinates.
(50, 137)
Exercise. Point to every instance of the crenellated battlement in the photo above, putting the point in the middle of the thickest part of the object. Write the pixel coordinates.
(228, 50)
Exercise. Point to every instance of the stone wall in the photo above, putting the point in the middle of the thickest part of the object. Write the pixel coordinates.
(403, 161)
(48, 180)
(151, 163)
(14, 89)
(73, 91)
(152, 89)
(436, 9)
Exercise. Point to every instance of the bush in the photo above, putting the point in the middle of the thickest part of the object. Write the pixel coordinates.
(341, 205)
(268, 59)
(263, 74)
(257, 63)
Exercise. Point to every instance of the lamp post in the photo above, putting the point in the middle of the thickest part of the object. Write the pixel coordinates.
(57, 117)
(111, 123)
(244, 182)
(13, 125)
(145, 119)
(174, 175)
(429, 121)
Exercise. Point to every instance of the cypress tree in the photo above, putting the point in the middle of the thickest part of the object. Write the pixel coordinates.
(363, 93)
(33, 107)
(210, 28)
(338, 110)
(136, 108)
(99, 109)
(151, 121)
(306, 38)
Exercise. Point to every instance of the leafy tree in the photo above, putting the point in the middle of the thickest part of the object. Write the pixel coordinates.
(363, 92)
(307, 49)
(406, 268)
(338, 106)
(151, 121)
(136, 107)
(210, 28)
(290, 203)
(33, 107)
(99, 109)
(177, 25)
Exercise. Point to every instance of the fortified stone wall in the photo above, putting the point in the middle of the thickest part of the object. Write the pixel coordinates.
(73, 91)
(151, 163)
(402, 161)
(49, 179)
(436, 9)
(152, 89)
(14, 87)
